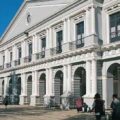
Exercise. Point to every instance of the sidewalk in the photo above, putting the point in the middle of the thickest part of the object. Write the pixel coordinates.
(37, 113)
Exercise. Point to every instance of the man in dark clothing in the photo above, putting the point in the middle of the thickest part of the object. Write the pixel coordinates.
(115, 105)
(98, 106)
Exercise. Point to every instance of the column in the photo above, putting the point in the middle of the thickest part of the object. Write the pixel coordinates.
(35, 83)
(48, 88)
(69, 30)
(65, 31)
(47, 38)
(23, 47)
(23, 89)
(6, 84)
(88, 78)
(47, 52)
(7, 59)
(104, 90)
(64, 78)
(15, 54)
(94, 77)
(35, 47)
(47, 81)
(87, 22)
(34, 95)
(93, 24)
(69, 81)
(50, 38)
(50, 81)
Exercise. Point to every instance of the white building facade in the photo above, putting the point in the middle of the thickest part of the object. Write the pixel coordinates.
(61, 49)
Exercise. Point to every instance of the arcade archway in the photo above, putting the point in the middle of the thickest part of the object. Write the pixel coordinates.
(58, 87)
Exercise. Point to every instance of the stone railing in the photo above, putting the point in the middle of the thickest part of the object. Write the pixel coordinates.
(17, 62)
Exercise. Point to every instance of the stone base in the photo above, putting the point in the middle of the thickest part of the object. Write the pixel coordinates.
(88, 100)
(23, 100)
(65, 103)
(35, 100)
(48, 101)
(1, 99)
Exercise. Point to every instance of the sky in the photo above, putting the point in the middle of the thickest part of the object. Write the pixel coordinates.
(8, 9)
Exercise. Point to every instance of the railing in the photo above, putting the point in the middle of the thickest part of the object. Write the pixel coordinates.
(76, 44)
(1, 67)
(17, 62)
(27, 59)
(8, 65)
(40, 55)
(56, 50)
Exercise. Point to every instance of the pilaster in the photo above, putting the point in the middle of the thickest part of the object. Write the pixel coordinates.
(94, 77)
(65, 78)
(23, 98)
(93, 23)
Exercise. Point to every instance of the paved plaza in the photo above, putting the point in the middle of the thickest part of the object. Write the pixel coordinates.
(37, 113)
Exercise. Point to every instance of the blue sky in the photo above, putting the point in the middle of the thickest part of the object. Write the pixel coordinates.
(8, 9)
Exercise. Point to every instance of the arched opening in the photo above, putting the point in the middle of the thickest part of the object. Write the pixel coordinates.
(42, 88)
(3, 88)
(79, 83)
(29, 88)
(113, 75)
(18, 90)
(58, 87)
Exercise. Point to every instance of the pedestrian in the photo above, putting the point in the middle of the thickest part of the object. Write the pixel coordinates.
(98, 106)
(115, 105)
(79, 104)
(5, 101)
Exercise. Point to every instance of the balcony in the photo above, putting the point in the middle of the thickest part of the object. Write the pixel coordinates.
(76, 44)
(28, 59)
(17, 62)
(40, 55)
(8, 65)
(56, 50)
(1, 67)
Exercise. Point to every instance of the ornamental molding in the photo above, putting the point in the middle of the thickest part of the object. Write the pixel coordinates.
(111, 7)
(41, 33)
(58, 26)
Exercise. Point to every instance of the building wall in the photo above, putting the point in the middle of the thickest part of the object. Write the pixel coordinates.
(94, 57)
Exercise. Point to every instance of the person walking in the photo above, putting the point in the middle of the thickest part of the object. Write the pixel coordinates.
(115, 105)
(98, 106)
(79, 104)
(5, 101)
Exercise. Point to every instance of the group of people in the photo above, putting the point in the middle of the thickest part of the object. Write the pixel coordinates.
(99, 106)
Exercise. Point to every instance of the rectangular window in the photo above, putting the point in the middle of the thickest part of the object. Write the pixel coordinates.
(3, 60)
(30, 49)
(115, 27)
(80, 34)
(10, 56)
(43, 43)
(59, 39)
(19, 53)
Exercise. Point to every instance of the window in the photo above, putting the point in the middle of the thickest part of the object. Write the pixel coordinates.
(19, 52)
(59, 39)
(43, 43)
(79, 34)
(3, 60)
(30, 49)
(115, 27)
(10, 56)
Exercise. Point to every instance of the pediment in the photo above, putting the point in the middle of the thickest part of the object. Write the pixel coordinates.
(31, 13)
